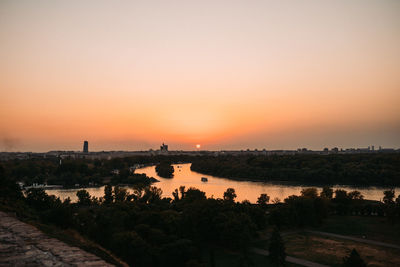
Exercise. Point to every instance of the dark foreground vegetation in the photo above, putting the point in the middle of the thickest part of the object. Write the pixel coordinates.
(145, 229)
(352, 169)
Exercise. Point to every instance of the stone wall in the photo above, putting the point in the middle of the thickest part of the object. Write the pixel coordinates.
(22, 244)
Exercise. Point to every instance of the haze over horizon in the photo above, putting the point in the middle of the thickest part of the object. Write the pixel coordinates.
(223, 74)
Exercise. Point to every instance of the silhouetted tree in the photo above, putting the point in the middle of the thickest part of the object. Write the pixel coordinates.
(230, 195)
(327, 192)
(342, 200)
(277, 252)
(83, 197)
(120, 194)
(355, 195)
(263, 200)
(390, 205)
(138, 191)
(182, 191)
(175, 194)
(152, 194)
(9, 190)
(194, 194)
(388, 196)
(108, 195)
(276, 200)
(38, 198)
(353, 260)
(341, 195)
(309, 192)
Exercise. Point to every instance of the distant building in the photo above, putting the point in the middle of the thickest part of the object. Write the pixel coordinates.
(302, 150)
(335, 150)
(85, 147)
(164, 148)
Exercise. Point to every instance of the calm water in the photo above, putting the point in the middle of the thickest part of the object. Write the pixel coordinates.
(217, 186)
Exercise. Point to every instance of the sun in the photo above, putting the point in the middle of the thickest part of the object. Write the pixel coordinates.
(198, 146)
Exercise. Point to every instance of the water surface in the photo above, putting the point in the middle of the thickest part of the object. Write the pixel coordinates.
(216, 186)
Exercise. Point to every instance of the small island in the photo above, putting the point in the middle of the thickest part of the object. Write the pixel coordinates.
(165, 170)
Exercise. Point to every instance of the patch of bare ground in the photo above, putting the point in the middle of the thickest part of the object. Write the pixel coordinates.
(331, 251)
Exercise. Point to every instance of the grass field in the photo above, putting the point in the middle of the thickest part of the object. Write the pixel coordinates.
(226, 258)
(374, 228)
(331, 251)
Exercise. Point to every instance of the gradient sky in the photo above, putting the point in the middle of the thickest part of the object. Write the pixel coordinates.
(225, 74)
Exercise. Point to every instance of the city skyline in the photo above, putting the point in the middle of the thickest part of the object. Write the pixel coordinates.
(197, 148)
(222, 74)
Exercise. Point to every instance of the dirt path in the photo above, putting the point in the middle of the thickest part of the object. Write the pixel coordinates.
(290, 259)
(22, 244)
(362, 240)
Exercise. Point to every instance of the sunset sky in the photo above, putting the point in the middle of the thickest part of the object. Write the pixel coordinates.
(129, 75)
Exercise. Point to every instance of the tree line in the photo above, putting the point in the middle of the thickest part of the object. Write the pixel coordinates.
(352, 169)
(69, 172)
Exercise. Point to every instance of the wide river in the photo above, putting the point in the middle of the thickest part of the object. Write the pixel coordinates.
(216, 186)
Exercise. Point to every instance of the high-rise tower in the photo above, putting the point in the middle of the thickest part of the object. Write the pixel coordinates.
(85, 147)
(164, 148)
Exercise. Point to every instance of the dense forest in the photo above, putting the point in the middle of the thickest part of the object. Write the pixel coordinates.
(351, 169)
(69, 172)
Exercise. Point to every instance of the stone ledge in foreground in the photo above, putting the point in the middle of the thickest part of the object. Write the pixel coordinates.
(22, 244)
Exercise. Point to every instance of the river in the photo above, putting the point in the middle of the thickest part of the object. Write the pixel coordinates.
(216, 186)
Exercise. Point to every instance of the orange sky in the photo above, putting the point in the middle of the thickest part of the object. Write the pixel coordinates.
(223, 74)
